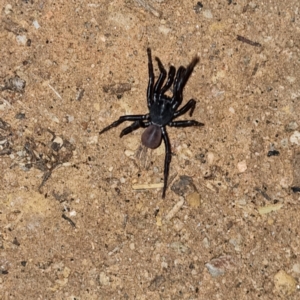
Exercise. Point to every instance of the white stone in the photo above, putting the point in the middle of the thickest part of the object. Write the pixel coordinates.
(242, 166)
(295, 138)
(207, 14)
(21, 39)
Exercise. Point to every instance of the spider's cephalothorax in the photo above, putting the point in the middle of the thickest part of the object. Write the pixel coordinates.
(162, 109)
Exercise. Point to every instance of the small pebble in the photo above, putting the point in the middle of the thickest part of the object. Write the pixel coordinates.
(164, 30)
(242, 166)
(231, 109)
(92, 140)
(183, 185)
(178, 225)
(285, 284)
(291, 126)
(218, 266)
(8, 9)
(210, 158)
(21, 39)
(16, 84)
(104, 280)
(73, 213)
(36, 24)
(70, 118)
(179, 247)
(206, 243)
(59, 141)
(207, 14)
(284, 143)
(20, 116)
(129, 153)
(296, 268)
(194, 200)
(295, 138)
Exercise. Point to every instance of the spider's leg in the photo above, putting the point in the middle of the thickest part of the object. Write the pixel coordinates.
(151, 79)
(185, 123)
(125, 118)
(169, 81)
(177, 96)
(185, 76)
(161, 78)
(189, 106)
(134, 126)
(167, 159)
(179, 74)
(181, 81)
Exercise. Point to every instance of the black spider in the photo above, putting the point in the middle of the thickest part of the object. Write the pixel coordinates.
(162, 109)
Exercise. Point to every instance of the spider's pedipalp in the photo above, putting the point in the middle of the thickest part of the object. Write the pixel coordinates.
(123, 119)
(133, 126)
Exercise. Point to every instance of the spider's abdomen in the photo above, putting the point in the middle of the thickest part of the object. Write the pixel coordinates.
(151, 137)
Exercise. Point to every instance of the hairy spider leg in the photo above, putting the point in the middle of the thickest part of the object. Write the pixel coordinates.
(167, 159)
(160, 80)
(185, 123)
(123, 119)
(189, 106)
(134, 126)
(170, 80)
(151, 80)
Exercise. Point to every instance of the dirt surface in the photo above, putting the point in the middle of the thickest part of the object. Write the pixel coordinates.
(74, 223)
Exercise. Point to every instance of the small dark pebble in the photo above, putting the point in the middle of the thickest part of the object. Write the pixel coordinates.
(273, 153)
(117, 89)
(15, 84)
(80, 93)
(198, 7)
(184, 185)
(20, 116)
(4, 125)
(296, 189)
(56, 146)
(24, 263)
(156, 282)
(16, 242)
(4, 272)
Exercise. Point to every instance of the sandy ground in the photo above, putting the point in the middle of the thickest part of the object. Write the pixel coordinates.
(74, 222)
